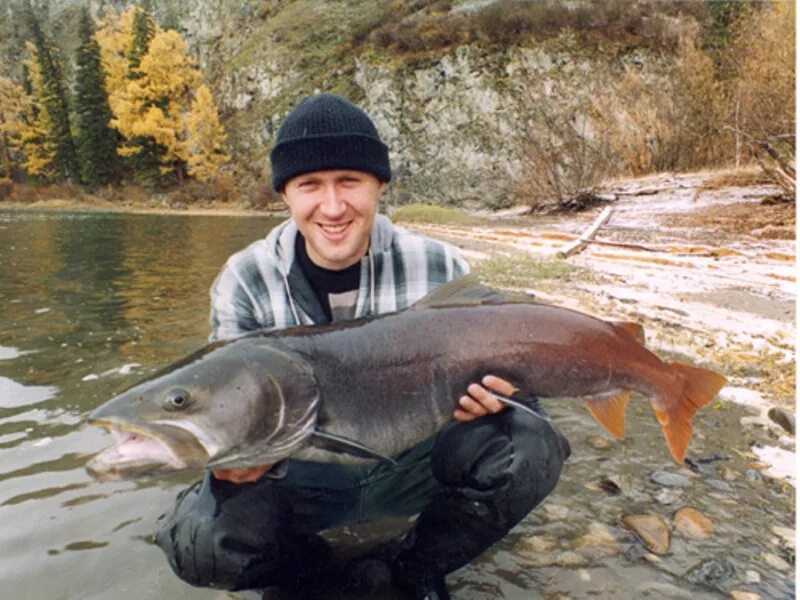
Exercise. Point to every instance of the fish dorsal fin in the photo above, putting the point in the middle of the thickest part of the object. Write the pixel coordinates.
(633, 329)
(608, 408)
(459, 292)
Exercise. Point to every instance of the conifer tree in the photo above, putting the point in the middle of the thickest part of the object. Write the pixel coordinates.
(96, 140)
(53, 100)
(143, 30)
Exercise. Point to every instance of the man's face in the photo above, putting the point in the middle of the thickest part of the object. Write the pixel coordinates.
(334, 210)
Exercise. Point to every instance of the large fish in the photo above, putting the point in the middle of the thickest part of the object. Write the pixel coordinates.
(371, 388)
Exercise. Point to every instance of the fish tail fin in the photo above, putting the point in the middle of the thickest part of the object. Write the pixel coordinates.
(608, 409)
(699, 386)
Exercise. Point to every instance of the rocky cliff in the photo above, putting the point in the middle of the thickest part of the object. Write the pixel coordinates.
(452, 112)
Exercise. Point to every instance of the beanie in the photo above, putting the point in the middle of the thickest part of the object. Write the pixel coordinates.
(327, 132)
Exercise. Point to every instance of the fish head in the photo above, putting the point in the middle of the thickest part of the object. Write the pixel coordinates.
(232, 407)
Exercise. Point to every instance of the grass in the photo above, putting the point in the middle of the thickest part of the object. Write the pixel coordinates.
(520, 270)
(429, 213)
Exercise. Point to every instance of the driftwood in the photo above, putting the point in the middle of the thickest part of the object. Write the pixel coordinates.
(784, 173)
(586, 237)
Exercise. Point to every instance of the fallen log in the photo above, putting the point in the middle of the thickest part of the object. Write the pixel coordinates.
(586, 237)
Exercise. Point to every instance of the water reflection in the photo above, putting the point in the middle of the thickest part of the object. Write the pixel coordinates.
(90, 303)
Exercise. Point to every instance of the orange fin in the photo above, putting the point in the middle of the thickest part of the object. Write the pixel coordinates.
(698, 389)
(635, 330)
(608, 408)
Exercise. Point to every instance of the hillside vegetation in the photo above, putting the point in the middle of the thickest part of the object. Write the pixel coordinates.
(483, 103)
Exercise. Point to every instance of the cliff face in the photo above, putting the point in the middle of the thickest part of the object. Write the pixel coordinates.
(451, 117)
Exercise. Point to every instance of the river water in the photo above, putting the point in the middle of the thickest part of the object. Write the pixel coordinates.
(90, 303)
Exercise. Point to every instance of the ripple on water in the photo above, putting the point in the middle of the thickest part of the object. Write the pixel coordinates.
(14, 395)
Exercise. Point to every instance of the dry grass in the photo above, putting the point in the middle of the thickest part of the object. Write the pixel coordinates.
(428, 213)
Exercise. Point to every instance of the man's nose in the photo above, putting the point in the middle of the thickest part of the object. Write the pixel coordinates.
(333, 203)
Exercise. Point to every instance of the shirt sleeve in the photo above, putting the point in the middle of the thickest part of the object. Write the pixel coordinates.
(232, 310)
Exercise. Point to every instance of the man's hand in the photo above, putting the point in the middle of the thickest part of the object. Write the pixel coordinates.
(479, 400)
(241, 475)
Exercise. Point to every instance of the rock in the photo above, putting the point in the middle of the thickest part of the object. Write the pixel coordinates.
(785, 533)
(667, 497)
(752, 576)
(783, 417)
(752, 475)
(692, 524)
(670, 479)
(653, 531)
(722, 486)
(556, 512)
(742, 595)
(599, 442)
(776, 562)
(711, 573)
(729, 474)
(570, 559)
(599, 537)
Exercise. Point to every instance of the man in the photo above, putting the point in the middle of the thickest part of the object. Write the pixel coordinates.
(336, 258)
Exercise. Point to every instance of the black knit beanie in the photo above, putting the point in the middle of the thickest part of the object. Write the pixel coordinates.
(327, 132)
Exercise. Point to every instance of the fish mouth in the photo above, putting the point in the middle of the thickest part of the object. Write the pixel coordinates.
(144, 451)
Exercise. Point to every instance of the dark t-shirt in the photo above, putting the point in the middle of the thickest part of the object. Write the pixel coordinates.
(337, 291)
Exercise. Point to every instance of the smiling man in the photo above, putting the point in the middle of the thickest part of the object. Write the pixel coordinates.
(335, 259)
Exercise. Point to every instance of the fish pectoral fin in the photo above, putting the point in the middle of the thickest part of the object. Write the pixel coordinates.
(633, 329)
(332, 442)
(608, 409)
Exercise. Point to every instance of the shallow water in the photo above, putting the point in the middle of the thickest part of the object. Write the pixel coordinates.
(91, 303)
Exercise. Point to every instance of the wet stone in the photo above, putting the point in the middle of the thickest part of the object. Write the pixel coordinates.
(775, 562)
(783, 417)
(670, 479)
(667, 496)
(722, 486)
(598, 442)
(743, 595)
(570, 559)
(711, 573)
(691, 523)
(653, 531)
(752, 475)
(752, 576)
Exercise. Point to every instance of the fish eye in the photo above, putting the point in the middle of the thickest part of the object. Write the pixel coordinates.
(177, 399)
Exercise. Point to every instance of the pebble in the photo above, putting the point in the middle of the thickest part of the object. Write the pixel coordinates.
(692, 524)
(599, 537)
(665, 496)
(653, 531)
(752, 475)
(670, 479)
(556, 512)
(776, 562)
(785, 533)
(712, 573)
(570, 559)
(742, 595)
(752, 577)
(783, 417)
(599, 442)
(722, 486)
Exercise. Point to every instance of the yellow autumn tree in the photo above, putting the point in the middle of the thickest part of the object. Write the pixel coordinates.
(207, 138)
(155, 111)
(34, 141)
(114, 36)
(13, 102)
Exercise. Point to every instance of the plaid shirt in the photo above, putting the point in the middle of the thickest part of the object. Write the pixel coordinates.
(262, 286)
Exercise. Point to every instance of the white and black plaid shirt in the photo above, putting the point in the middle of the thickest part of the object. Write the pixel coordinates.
(254, 289)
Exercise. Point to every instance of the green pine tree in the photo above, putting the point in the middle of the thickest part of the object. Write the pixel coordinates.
(96, 140)
(54, 101)
(144, 29)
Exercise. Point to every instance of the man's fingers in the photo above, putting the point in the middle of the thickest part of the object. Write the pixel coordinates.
(500, 386)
